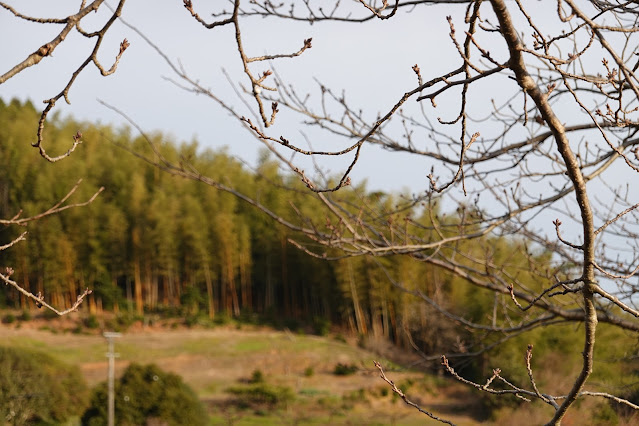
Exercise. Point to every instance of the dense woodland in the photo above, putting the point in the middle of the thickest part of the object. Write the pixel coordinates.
(152, 242)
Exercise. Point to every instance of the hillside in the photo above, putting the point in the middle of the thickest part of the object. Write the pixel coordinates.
(213, 360)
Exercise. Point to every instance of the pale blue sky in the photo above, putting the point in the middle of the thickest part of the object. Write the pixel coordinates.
(371, 62)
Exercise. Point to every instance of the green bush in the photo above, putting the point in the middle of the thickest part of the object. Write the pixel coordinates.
(37, 389)
(257, 377)
(126, 320)
(91, 322)
(147, 394)
(604, 414)
(355, 396)
(344, 369)
(221, 319)
(261, 395)
(9, 319)
(340, 338)
(321, 326)
(192, 300)
(405, 385)
(48, 314)
(191, 320)
(110, 294)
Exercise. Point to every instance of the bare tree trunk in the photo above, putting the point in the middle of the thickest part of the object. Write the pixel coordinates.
(235, 302)
(393, 321)
(148, 284)
(116, 305)
(209, 290)
(137, 275)
(93, 307)
(129, 295)
(359, 316)
(24, 304)
(385, 319)
(573, 169)
(268, 291)
(245, 284)
(286, 291)
(137, 280)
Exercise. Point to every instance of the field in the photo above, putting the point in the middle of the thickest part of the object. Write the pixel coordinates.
(213, 360)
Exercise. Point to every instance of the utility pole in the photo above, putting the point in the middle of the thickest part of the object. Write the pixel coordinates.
(110, 335)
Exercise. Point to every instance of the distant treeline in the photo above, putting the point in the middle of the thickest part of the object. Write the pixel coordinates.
(152, 241)
(150, 238)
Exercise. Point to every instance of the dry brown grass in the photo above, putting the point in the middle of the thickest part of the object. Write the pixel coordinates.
(211, 360)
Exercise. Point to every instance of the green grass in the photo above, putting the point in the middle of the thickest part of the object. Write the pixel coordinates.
(252, 345)
(75, 351)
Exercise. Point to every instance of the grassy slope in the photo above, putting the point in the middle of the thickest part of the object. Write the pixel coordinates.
(213, 360)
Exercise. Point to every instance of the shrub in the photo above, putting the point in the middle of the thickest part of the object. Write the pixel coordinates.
(261, 395)
(604, 414)
(48, 314)
(37, 389)
(126, 320)
(191, 320)
(340, 338)
(147, 394)
(354, 396)
(344, 369)
(192, 300)
(257, 377)
(221, 319)
(110, 294)
(91, 322)
(321, 326)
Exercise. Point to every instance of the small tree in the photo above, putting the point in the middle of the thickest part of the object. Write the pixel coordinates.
(144, 394)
